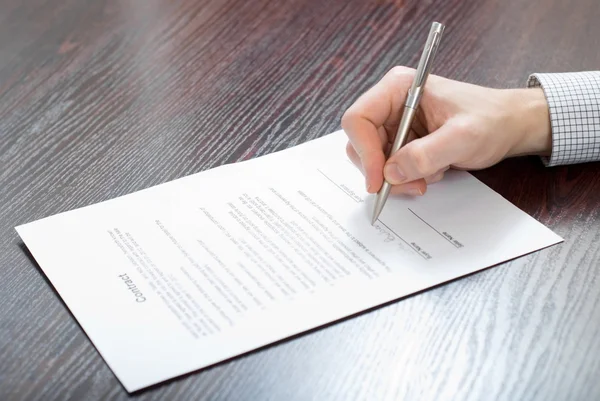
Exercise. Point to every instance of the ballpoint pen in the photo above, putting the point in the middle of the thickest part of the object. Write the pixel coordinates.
(410, 107)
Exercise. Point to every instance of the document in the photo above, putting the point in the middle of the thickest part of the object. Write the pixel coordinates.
(192, 272)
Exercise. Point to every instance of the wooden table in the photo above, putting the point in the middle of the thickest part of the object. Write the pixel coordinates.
(102, 98)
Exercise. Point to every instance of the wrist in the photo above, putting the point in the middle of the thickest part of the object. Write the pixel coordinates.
(530, 121)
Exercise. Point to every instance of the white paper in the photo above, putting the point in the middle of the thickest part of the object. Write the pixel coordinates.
(186, 274)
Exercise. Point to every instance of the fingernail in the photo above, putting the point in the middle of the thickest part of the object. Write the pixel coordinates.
(393, 174)
(368, 187)
(415, 192)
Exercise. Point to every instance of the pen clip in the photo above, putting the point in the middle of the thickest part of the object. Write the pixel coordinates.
(425, 64)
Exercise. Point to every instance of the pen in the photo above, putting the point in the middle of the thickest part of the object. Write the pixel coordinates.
(410, 107)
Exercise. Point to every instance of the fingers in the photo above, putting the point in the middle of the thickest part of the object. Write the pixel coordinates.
(385, 145)
(437, 177)
(363, 122)
(413, 188)
(355, 158)
(418, 187)
(426, 156)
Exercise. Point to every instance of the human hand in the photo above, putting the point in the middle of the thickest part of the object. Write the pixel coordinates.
(457, 125)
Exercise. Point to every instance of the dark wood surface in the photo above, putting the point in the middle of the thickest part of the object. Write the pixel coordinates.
(102, 98)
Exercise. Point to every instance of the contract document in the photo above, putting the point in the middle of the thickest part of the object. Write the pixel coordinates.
(192, 272)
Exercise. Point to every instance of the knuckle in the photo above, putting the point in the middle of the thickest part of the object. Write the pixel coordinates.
(420, 160)
(347, 118)
(436, 178)
(350, 152)
(468, 131)
(401, 72)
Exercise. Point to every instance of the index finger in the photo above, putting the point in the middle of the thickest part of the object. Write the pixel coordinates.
(379, 106)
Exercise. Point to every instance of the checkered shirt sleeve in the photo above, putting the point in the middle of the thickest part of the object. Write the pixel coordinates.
(574, 101)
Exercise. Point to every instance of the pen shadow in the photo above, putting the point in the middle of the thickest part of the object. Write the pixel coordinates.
(265, 347)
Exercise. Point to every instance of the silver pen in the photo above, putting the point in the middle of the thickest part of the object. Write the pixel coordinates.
(410, 107)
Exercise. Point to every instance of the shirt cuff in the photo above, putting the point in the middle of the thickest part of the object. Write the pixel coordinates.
(574, 102)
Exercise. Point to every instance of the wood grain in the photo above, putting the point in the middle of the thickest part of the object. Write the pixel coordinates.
(100, 98)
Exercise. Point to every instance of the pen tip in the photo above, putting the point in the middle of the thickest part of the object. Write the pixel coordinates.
(380, 201)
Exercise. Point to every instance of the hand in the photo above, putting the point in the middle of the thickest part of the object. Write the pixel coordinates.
(457, 125)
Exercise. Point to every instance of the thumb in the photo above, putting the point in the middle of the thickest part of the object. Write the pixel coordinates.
(427, 155)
